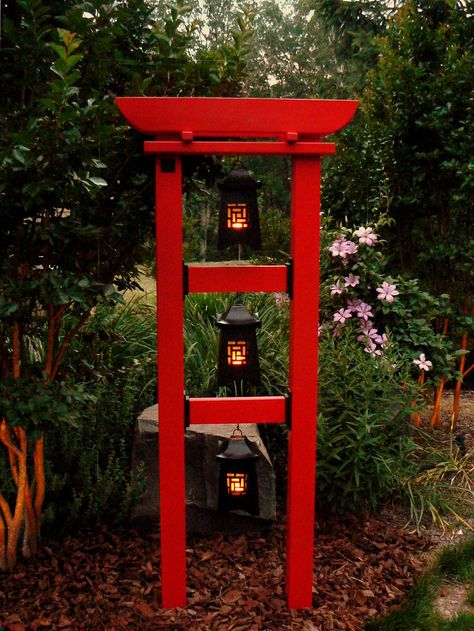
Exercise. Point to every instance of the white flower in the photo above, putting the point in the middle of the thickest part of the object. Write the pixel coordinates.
(423, 363)
(366, 235)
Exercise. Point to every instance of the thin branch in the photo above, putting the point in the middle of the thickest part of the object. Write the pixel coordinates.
(65, 342)
(38, 459)
(3, 559)
(5, 439)
(31, 529)
(466, 372)
(16, 350)
(5, 509)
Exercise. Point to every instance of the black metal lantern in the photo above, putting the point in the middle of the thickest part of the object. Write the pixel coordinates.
(238, 486)
(238, 351)
(238, 218)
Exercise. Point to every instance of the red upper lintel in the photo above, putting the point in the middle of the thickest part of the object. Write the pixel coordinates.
(168, 117)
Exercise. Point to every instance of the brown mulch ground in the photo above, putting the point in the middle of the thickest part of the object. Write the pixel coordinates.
(111, 580)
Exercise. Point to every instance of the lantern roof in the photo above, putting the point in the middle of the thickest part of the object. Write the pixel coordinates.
(239, 179)
(238, 448)
(237, 315)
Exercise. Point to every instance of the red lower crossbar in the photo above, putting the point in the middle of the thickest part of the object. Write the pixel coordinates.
(209, 278)
(222, 410)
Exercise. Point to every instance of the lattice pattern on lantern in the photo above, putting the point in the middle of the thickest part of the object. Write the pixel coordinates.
(236, 353)
(237, 216)
(236, 483)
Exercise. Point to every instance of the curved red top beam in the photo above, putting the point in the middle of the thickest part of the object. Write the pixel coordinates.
(239, 117)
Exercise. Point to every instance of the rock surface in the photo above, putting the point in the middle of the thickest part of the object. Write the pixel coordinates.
(202, 443)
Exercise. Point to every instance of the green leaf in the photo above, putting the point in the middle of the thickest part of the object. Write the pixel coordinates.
(98, 181)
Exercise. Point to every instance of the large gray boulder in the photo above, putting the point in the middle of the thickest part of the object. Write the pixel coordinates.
(202, 476)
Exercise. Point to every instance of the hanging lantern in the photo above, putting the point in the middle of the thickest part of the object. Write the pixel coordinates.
(238, 351)
(238, 218)
(238, 487)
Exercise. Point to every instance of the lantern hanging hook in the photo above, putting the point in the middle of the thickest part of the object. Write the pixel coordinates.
(237, 429)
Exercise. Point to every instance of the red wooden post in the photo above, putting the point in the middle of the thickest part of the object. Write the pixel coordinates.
(305, 204)
(169, 265)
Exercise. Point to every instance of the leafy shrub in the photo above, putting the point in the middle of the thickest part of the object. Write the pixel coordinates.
(362, 426)
(88, 466)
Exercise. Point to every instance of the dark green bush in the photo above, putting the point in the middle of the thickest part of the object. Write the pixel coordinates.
(88, 466)
(363, 437)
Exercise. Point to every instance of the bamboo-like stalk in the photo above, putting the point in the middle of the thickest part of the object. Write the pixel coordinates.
(65, 343)
(5, 511)
(29, 499)
(38, 459)
(30, 544)
(14, 521)
(3, 557)
(415, 416)
(48, 365)
(18, 467)
(16, 350)
(457, 390)
(18, 516)
(5, 438)
(5, 521)
(466, 372)
(435, 420)
(11, 456)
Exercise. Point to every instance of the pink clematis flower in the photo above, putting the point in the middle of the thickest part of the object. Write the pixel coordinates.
(338, 247)
(342, 315)
(369, 332)
(423, 363)
(353, 303)
(351, 280)
(350, 247)
(367, 236)
(336, 289)
(372, 349)
(364, 311)
(381, 340)
(342, 247)
(387, 292)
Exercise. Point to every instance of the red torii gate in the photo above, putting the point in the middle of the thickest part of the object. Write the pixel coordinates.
(293, 127)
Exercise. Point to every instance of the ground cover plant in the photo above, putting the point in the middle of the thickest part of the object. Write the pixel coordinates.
(418, 611)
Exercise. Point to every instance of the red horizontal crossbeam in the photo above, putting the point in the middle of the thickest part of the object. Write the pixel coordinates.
(235, 117)
(239, 148)
(216, 411)
(204, 278)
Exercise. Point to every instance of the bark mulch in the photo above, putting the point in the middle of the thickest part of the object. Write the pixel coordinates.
(108, 579)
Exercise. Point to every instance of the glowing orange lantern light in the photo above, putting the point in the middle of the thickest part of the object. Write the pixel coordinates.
(238, 487)
(238, 218)
(238, 354)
